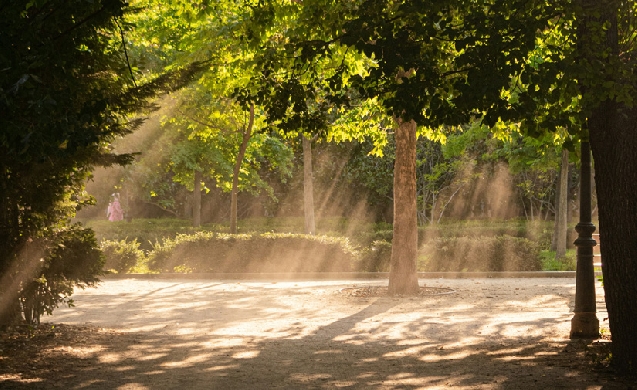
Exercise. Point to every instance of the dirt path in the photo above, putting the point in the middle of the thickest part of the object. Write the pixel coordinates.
(187, 334)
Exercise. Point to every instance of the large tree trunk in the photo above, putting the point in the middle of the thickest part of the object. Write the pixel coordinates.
(247, 133)
(308, 187)
(403, 278)
(561, 209)
(614, 142)
(613, 138)
(196, 200)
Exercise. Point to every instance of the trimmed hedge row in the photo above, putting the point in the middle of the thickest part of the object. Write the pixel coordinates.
(208, 252)
(221, 253)
(458, 254)
(501, 253)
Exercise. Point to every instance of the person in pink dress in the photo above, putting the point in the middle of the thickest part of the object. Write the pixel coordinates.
(115, 212)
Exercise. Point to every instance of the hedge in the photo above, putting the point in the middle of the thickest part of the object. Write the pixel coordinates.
(501, 253)
(207, 252)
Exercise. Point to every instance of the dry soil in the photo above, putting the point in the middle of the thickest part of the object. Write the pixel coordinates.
(208, 334)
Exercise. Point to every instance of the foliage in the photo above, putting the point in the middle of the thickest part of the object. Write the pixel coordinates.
(216, 138)
(121, 256)
(277, 252)
(65, 93)
(70, 259)
(376, 257)
(550, 263)
(500, 253)
(369, 244)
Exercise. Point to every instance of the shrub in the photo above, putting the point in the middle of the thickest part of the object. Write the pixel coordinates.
(71, 258)
(377, 257)
(550, 263)
(501, 253)
(121, 256)
(268, 252)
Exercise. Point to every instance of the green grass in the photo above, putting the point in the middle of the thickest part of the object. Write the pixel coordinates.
(550, 263)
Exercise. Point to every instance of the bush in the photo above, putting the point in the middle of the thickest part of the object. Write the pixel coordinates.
(376, 258)
(144, 231)
(71, 258)
(121, 256)
(502, 253)
(550, 263)
(222, 253)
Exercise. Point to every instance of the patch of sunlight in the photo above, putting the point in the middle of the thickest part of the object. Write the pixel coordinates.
(366, 375)
(176, 364)
(200, 358)
(353, 340)
(229, 343)
(81, 351)
(124, 368)
(546, 353)
(109, 357)
(223, 367)
(348, 337)
(401, 375)
(246, 354)
(156, 372)
(407, 351)
(146, 328)
(448, 356)
(326, 351)
(154, 356)
(542, 300)
(343, 383)
(18, 378)
(133, 385)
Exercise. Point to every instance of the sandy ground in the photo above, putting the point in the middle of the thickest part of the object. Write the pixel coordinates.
(205, 334)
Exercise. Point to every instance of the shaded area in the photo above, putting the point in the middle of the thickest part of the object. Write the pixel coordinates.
(491, 334)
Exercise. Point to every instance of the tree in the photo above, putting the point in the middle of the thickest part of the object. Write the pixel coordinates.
(308, 187)
(605, 66)
(479, 59)
(65, 93)
(431, 63)
(561, 208)
(215, 33)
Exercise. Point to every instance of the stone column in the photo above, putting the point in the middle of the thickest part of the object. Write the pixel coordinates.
(585, 324)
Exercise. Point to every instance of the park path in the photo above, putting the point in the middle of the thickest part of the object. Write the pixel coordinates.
(209, 334)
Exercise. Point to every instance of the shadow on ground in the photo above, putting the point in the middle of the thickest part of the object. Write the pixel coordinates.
(261, 336)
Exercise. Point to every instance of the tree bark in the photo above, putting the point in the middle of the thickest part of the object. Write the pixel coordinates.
(247, 133)
(196, 199)
(308, 187)
(614, 143)
(613, 137)
(561, 209)
(403, 278)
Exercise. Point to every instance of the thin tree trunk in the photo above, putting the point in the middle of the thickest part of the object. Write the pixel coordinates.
(403, 278)
(561, 209)
(308, 187)
(196, 199)
(247, 133)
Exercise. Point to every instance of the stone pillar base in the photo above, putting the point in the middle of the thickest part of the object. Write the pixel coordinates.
(584, 326)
